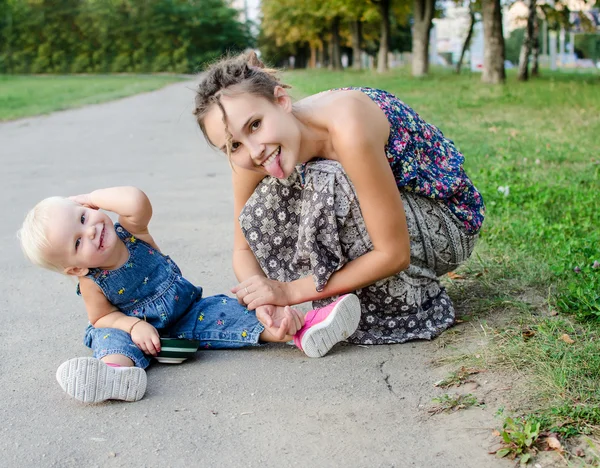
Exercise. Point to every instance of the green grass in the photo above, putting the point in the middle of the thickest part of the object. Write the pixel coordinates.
(541, 139)
(24, 96)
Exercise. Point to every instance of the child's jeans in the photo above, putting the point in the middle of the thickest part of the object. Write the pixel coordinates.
(219, 322)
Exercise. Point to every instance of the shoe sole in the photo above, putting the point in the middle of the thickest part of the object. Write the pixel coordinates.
(341, 322)
(91, 381)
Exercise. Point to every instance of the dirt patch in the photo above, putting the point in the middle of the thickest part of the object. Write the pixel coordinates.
(499, 391)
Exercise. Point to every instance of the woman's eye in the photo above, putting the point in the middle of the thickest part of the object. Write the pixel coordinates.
(255, 125)
(77, 242)
(235, 146)
(82, 219)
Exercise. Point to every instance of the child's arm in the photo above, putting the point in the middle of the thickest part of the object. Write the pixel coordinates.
(130, 203)
(103, 314)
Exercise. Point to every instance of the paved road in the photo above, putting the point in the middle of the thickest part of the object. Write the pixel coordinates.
(263, 407)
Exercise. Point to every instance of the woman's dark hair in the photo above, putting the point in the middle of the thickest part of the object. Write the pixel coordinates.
(243, 73)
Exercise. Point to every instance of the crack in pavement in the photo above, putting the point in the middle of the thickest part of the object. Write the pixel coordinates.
(386, 377)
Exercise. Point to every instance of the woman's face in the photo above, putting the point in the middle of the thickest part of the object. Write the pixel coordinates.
(265, 137)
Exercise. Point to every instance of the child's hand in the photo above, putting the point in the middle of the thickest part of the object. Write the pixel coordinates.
(280, 321)
(146, 337)
(84, 199)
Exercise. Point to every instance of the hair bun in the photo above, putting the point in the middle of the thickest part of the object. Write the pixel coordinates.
(253, 60)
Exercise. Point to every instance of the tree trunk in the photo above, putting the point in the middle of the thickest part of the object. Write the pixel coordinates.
(336, 57)
(313, 56)
(324, 52)
(527, 43)
(356, 27)
(535, 51)
(384, 36)
(423, 14)
(493, 43)
(467, 39)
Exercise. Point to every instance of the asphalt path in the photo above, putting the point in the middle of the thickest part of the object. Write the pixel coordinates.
(261, 407)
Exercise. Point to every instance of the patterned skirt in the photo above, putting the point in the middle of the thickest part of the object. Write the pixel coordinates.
(311, 224)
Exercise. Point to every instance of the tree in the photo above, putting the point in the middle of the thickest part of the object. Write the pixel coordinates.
(528, 39)
(356, 27)
(288, 22)
(467, 42)
(92, 36)
(535, 47)
(493, 40)
(423, 16)
(384, 36)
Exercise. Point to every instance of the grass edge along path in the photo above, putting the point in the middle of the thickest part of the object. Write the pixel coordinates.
(532, 150)
(30, 95)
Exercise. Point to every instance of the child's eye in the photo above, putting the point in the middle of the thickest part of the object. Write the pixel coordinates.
(77, 242)
(234, 146)
(255, 125)
(82, 219)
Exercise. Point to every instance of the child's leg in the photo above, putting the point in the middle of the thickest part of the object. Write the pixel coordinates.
(118, 360)
(114, 346)
(91, 380)
(218, 322)
(316, 333)
(116, 372)
(329, 325)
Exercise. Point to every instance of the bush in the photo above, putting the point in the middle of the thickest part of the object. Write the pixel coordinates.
(81, 64)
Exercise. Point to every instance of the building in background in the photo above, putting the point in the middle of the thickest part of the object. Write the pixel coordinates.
(249, 11)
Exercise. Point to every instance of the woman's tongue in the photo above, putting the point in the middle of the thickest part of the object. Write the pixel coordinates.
(274, 168)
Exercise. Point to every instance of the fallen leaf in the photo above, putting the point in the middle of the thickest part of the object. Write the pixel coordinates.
(567, 339)
(527, 334)
(493, 129)
(554, 444)
(496, 433)
(579, 452)
(513, 132)
(455, 276)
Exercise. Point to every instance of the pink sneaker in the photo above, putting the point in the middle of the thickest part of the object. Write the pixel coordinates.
(329, 325)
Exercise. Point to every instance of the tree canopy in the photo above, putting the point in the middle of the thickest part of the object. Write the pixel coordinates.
(98, 36)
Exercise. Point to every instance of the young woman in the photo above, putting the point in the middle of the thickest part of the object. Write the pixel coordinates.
(345, 190)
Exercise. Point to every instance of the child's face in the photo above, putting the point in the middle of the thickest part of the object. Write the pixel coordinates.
(81, 238)
(265, 137)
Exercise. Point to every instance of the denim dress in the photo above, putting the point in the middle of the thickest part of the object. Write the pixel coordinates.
(149, 286)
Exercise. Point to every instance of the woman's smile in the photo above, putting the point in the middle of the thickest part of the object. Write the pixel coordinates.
(273, 164)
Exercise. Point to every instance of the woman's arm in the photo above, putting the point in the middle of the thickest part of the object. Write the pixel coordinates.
(245, 264)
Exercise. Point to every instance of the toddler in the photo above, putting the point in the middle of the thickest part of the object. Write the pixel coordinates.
(134, 294)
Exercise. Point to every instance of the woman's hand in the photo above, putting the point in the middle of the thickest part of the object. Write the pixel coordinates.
(258, 290)
(84, 199)
(146, 337)
(280, 321)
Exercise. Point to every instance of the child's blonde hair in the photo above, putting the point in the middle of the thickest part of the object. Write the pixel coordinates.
(33, 235)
